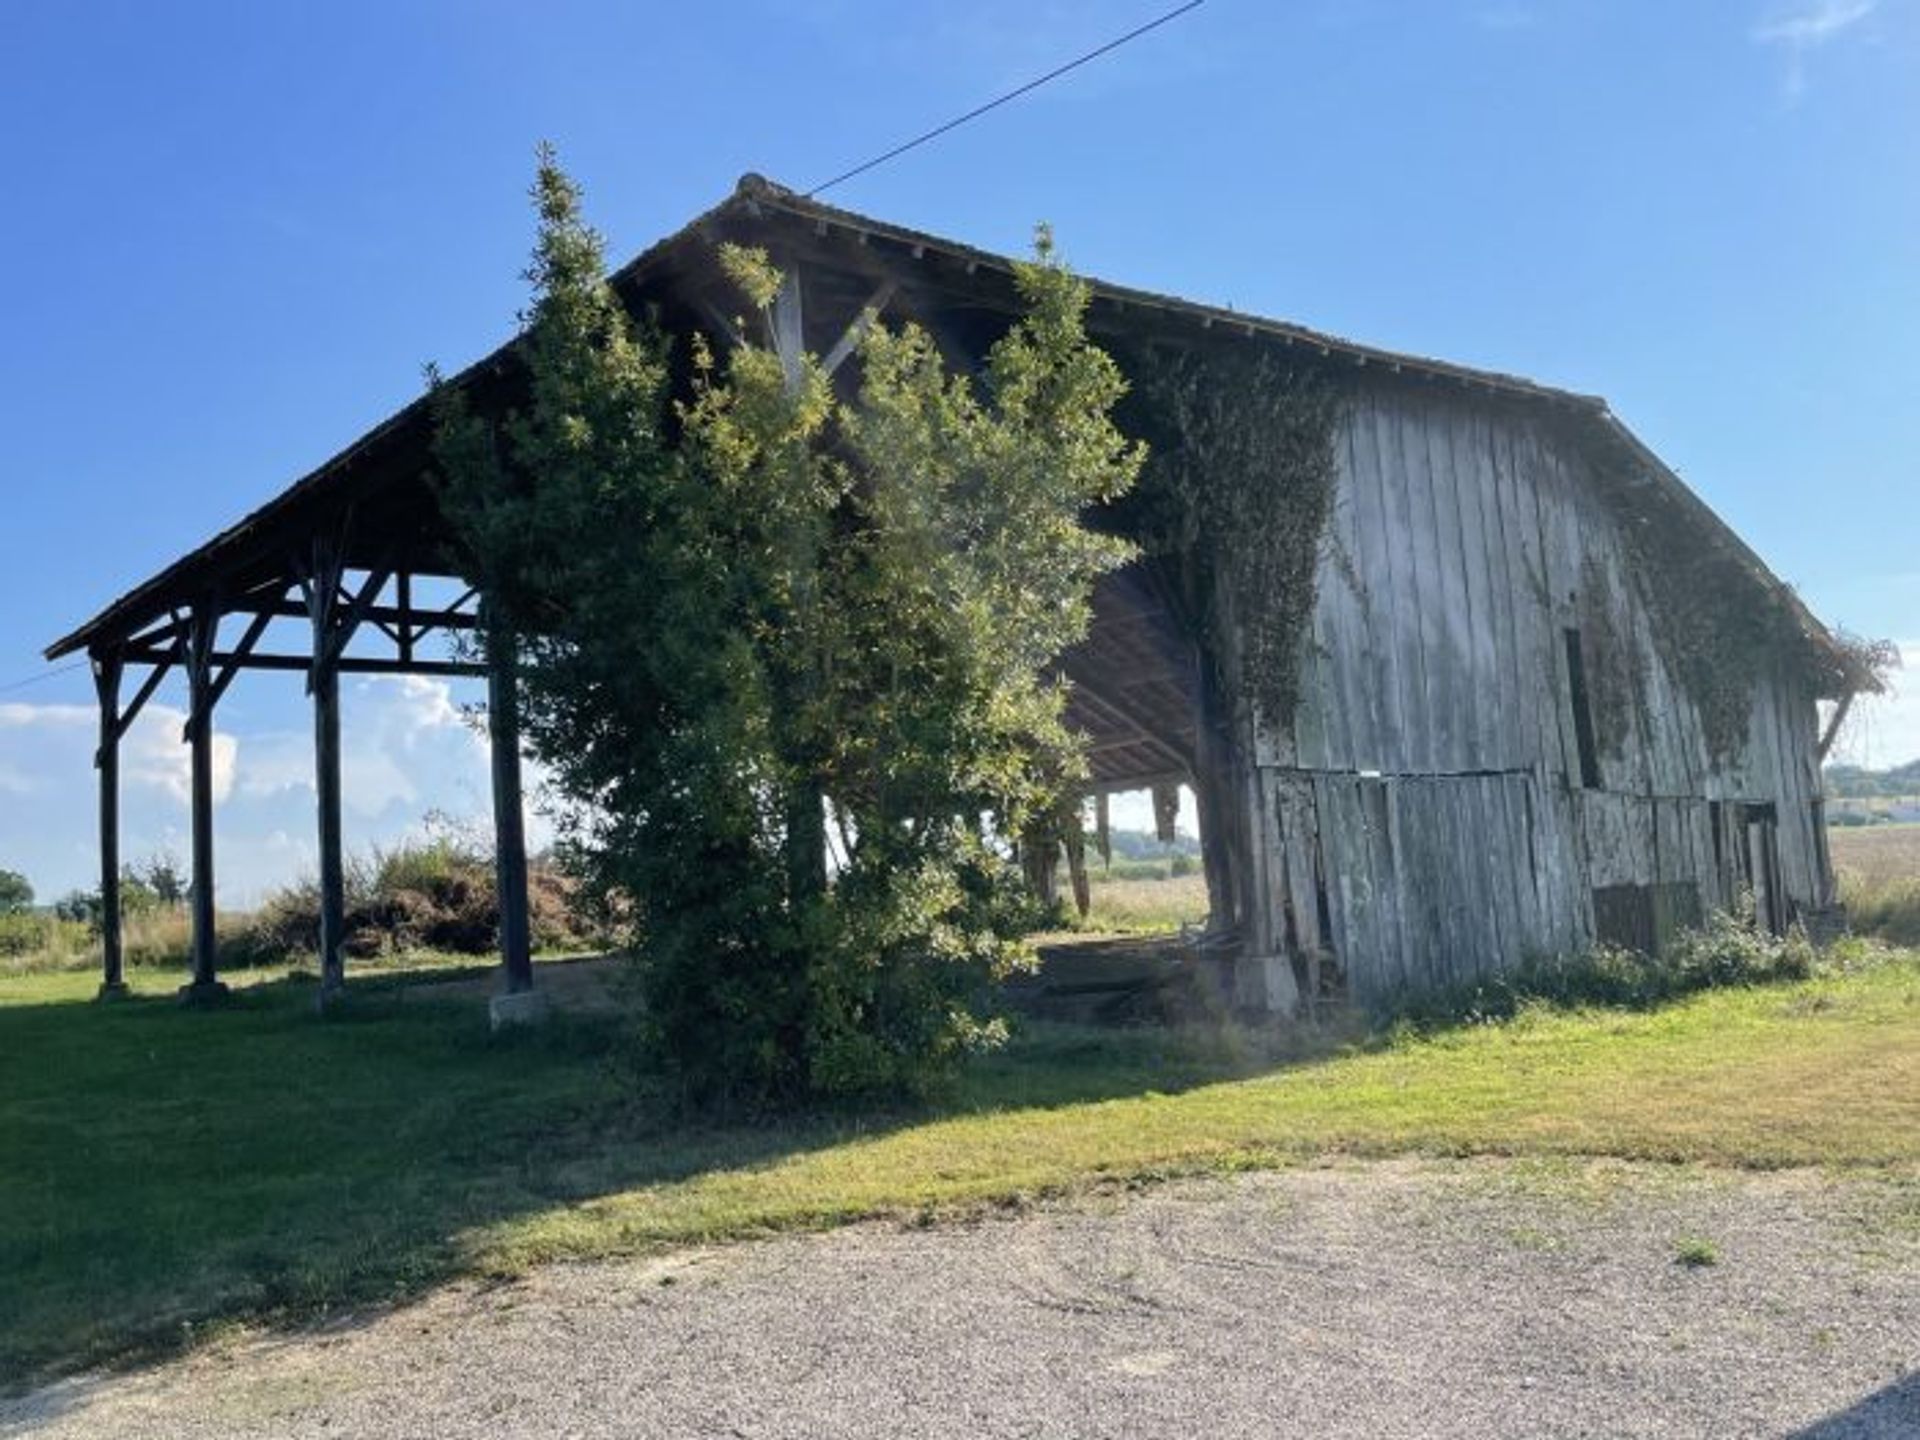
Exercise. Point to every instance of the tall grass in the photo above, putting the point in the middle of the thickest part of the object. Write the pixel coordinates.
(43, 944)
(1879, 874)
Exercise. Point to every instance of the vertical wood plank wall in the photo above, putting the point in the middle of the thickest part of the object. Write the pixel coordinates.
(1431, 777)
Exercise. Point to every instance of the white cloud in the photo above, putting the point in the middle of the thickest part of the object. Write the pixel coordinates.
(21, 717)
(1807, 26)
(155, 753)
(406, 748)
(1815, 24)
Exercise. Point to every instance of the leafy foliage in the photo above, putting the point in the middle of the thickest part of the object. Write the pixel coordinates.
(434, 894)
(747, 607)
(1720, 632)
(16, 893)
(1728, 950)
(1235, 500)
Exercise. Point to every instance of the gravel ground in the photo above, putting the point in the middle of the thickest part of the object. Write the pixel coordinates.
(1383, 1300)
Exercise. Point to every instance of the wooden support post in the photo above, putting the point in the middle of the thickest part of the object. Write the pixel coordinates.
(326, 785)
(323, 680)
(509, 830)
(202, 635)
(106, 683)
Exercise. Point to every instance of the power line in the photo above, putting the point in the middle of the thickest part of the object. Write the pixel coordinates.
(996, 103)
(44, 675)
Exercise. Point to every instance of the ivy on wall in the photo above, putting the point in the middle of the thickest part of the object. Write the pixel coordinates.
(1720, 634)
(1234, 501)
(1615, 669)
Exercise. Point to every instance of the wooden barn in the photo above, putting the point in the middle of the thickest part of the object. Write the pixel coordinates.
(1541, 695)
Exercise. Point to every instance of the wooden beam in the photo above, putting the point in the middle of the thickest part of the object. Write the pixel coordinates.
(106, 684)
(849, 340)
(346, 665)
(1118, 709)
(383, 615)
(1834, 722)
(509, 825)
(403, 593)
(201, 638)
(357, 610)
(789, 328)
(729, 330)
(231, 667)
(152, 683)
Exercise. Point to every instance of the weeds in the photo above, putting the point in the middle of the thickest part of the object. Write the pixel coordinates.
(1725, 952)
(1693, 1252)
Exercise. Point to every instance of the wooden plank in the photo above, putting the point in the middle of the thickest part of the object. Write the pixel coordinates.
(1517, 812)
(1559, 752)
(1378, 567)
(1342, 625)
(1482, 612)
(1426, 715)
(1376, 811)
(1514, 737)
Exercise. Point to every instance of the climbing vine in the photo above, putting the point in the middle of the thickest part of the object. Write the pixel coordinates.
(1616, 682)
(1719, 633)
(1234, 500)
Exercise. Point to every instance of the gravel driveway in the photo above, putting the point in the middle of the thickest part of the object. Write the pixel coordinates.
(1380, 1300)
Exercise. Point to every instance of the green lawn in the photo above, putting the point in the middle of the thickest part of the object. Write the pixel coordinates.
(160, 1167)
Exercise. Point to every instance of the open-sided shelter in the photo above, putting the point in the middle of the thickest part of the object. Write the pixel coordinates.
(1545, 697)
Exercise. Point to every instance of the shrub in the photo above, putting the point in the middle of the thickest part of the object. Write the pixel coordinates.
(437, 894)
(1726, 951)
(24, 934)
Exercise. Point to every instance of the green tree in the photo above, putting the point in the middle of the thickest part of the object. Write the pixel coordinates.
(750, 612)
(161, 876)
(16, 894)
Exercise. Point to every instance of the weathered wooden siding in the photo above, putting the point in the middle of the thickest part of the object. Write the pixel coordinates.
(1424, 817)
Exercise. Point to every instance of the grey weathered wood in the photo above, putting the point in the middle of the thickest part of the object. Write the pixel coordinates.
(1465, 540)
(789, 328)
(509, 825)
(849, 341)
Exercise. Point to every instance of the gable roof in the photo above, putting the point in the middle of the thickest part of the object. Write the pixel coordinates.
(395, 451)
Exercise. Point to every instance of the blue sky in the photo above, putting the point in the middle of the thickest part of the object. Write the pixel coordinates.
(235, 232)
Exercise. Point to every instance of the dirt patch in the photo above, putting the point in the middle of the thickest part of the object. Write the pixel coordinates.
(1380, 1300)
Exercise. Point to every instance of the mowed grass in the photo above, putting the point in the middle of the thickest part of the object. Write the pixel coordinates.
(164, 1167)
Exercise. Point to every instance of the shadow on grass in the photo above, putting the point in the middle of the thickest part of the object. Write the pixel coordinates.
(169, 1169)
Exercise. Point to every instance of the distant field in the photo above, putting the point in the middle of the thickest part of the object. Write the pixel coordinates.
(1876, 854)
(1879, 874)
(1144, 906)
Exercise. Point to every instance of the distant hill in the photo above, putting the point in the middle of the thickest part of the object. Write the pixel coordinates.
(1852, 782)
